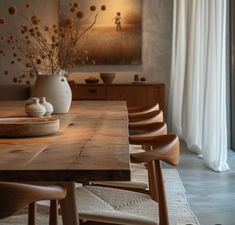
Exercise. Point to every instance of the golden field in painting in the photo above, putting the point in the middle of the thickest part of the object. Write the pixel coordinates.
(107, 46)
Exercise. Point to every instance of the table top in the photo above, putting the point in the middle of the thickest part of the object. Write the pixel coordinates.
(92, 144)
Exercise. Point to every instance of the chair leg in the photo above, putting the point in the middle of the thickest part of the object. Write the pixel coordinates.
(151, 177)
(152, 181)
(163, 210)
(54, 213)
(32, 214)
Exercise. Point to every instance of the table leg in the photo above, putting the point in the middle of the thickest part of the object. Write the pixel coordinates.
(68, 205)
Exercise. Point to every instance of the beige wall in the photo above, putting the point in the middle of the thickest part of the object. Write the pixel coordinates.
(48, 12)
(157, 35)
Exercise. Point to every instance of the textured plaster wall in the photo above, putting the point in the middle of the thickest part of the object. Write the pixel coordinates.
(157, 36)
(48, 12)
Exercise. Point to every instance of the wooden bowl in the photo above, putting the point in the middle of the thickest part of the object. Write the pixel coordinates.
(28, 127)
(107, 78)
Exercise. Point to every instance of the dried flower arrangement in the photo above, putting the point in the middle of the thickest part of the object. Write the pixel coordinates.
(41, 49)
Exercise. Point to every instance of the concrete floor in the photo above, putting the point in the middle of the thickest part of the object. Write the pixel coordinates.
(211, 195)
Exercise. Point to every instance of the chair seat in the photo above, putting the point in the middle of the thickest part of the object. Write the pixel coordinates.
(139, 179)
(116, 206)
(135, 148)
(139, 175)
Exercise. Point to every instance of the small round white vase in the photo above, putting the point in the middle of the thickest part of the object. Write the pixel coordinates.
(56, 90)
(48, 106)
(35, 109)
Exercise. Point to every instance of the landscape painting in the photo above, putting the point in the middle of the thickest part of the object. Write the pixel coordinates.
(107, 32)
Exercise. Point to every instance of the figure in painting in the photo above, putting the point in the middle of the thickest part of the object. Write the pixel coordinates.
(117, 20)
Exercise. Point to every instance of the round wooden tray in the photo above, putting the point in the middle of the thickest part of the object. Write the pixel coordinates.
(28, 127)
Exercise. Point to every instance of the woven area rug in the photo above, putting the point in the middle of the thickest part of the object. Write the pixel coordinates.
(179, 210)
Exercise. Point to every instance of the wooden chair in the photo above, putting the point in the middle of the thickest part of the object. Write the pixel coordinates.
(139, 173)
(143, 116)
(102, 205)
(148, 129)
(157, 118)
(142, 109)
(140, 131)
(15, 196)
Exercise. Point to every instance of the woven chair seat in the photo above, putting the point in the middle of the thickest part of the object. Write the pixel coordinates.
(139, 175)
(116, 206)
(139, 179)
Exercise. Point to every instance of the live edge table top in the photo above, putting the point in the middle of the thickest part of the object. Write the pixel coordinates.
(92, 144)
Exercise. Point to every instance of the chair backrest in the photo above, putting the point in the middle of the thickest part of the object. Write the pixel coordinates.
(166, 149)
(146, 108)
(152, 129)
(155, 119)
(144, 115)
(15, 196)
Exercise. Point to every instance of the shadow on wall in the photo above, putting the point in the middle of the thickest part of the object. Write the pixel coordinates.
(14, 92)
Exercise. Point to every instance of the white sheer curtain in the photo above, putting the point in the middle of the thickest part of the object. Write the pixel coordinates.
(197, 99)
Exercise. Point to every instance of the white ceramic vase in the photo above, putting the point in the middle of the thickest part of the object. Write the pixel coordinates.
(48, 106)
(56, 90)
(34, 109)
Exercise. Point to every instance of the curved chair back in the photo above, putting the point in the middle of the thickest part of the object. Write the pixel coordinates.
(157, 118)
(15, 196)
(143, 116)
(152, 129)
(146, 108)
(163, 148)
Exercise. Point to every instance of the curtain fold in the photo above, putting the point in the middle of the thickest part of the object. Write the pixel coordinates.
(178, 67)
(197, 99)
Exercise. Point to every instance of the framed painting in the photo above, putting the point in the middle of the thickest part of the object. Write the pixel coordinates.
(107, 32)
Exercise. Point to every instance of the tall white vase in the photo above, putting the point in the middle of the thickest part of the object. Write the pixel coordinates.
(56, 90)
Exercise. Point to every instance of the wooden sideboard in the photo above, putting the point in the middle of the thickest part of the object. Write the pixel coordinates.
(138, 94)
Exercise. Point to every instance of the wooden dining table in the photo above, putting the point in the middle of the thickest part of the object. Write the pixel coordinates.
(91, 145)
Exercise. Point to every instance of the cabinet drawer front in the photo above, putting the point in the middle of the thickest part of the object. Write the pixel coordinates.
(138, 95)
(89, 92)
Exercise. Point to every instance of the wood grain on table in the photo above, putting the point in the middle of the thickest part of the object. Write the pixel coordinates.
(92, 144)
